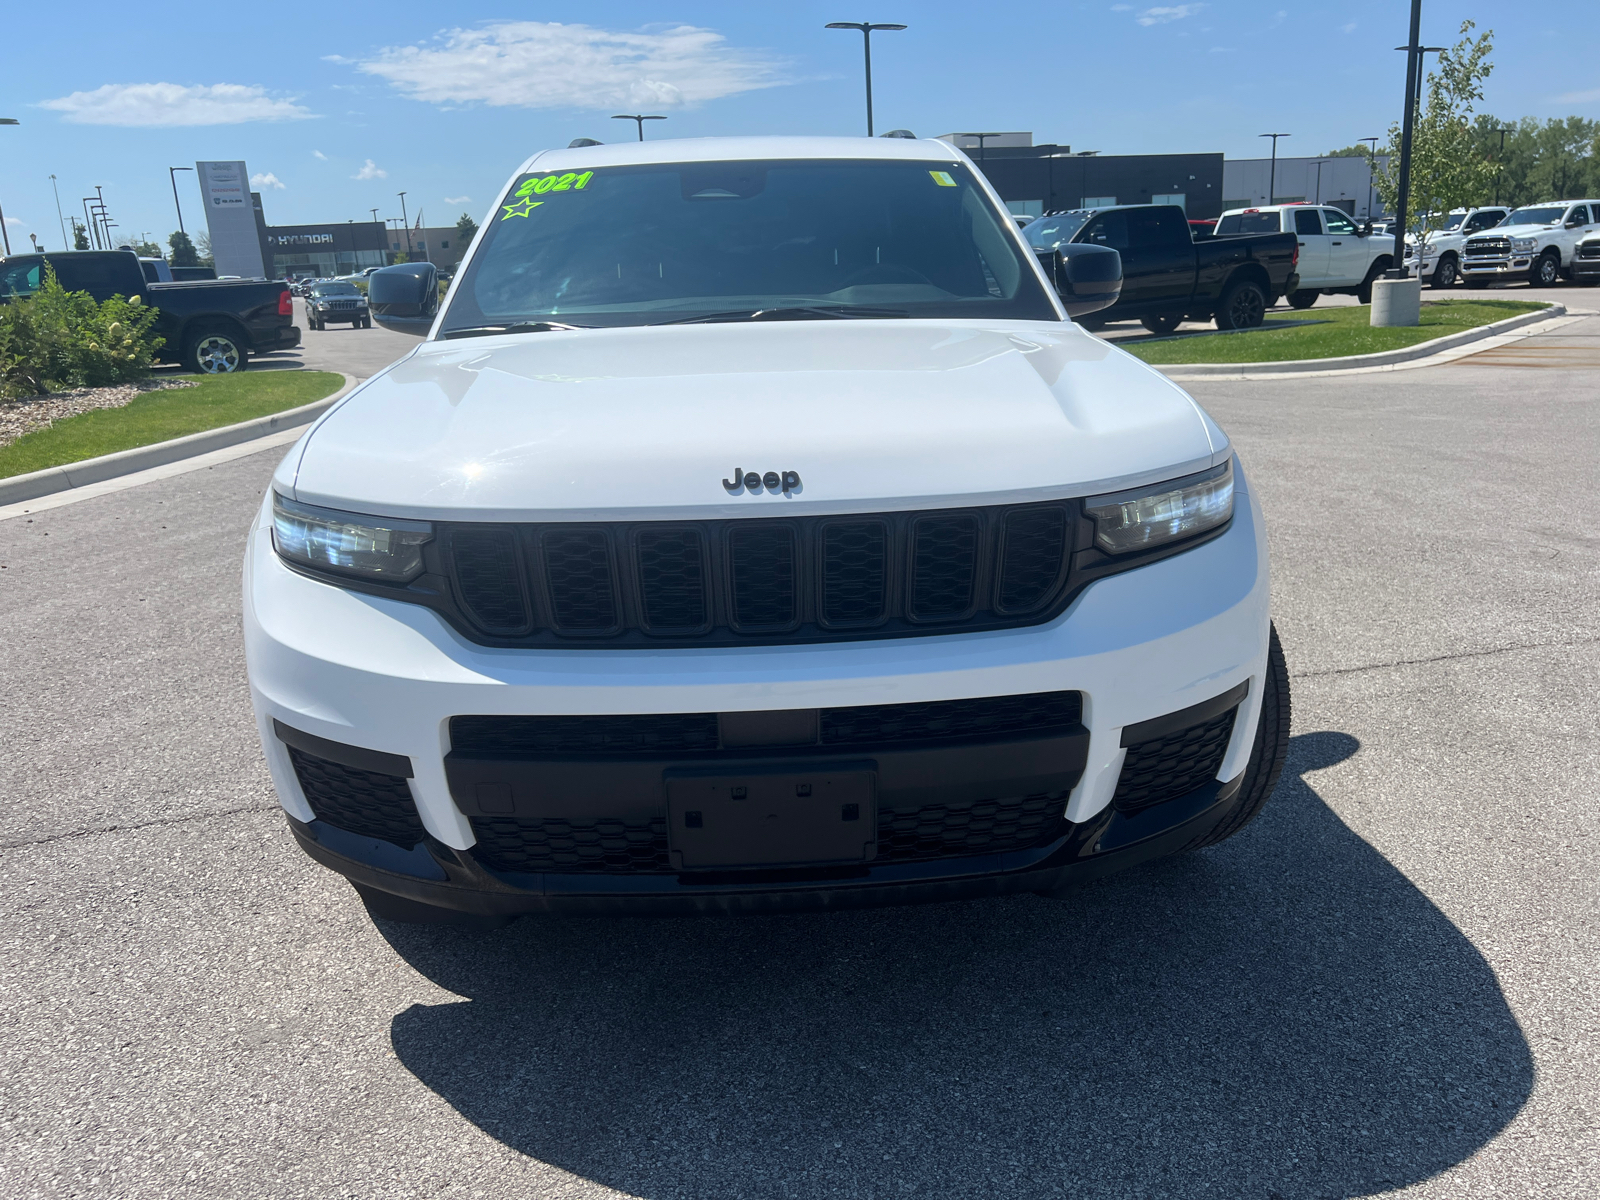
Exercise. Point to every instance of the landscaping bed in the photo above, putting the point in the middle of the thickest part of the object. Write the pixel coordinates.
(90, 422)
(1340, 333)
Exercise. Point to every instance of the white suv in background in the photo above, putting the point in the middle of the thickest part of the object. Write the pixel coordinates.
(1441, 249)
(1336, 255)
(1536, 242)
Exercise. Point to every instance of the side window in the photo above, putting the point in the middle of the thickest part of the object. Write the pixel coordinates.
(1168, 227)
(1306, 221)
(101, 275)
(21, 279)
(1110, 229)
(1338, 222)
(1581, 214)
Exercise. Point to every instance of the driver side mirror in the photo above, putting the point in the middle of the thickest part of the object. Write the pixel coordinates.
(404, 298)
(1086, 277)
(1573, 224)
(1366, 229)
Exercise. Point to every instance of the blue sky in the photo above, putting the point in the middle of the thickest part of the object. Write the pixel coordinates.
(338, 107)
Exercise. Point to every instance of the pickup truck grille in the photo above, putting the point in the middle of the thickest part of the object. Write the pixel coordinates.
(732, 582)
(1589, 250)
(1488, 247)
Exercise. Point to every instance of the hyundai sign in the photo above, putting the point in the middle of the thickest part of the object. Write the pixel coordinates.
(231, 219)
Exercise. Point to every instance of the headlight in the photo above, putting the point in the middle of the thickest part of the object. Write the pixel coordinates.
(348, 543)
(1147, 517)
(1524, 244)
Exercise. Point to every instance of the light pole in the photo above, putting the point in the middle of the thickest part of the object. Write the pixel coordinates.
(1407, 129)
(1499, 162)
(65, 243)
(980, 137)
(866, 28)
(1372, 158)
(88, 228)
(4, 235)
(173, 178)
(1272, 173)
(638, 118)
(406, 221)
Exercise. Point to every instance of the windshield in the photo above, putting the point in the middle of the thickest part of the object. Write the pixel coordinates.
(645, 244)
(1049, 233)
(335, 289)
(1453, 221)
(1544, 215)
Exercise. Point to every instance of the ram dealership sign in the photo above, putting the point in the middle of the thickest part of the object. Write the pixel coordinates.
(231, 219)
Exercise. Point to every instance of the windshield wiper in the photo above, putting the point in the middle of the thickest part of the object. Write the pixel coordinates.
(811, 312)
(521, 327)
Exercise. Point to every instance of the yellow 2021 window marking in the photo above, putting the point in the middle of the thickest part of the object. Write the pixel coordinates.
(943, 178)
(522, 204)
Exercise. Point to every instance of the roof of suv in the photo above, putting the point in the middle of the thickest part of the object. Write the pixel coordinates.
(723, 149)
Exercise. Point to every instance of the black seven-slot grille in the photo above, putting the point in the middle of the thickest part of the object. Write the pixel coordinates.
(762, 579)
(1488, 246)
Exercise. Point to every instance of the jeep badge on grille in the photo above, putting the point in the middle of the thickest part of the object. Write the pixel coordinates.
(753, 482)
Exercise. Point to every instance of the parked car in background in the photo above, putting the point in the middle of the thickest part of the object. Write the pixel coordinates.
(337, 301)
(1336, 256)
(1536, 242)
(192, 274)
(1441, 249)
(210, 327)
(156, 270)
(1202, 228)
(1167, 276)
(1586, 262)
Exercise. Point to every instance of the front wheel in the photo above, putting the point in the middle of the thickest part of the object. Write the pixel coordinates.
(1244, 306)
(215, 351)
(1445, 273)
(1269, 749)
(1162, 325)
(1304, 298)
(1547, 271)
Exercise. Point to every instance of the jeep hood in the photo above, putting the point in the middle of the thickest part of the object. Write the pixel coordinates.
(647, 423)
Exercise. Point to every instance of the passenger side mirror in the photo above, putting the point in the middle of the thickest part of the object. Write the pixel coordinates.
(1087, 278)
(405, 297)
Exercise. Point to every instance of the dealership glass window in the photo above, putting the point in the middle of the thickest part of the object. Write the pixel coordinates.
(1181, 199)
(1098, 202)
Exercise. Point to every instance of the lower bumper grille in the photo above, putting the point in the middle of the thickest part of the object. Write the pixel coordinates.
(1173, 765)
(362, 802)
(607, 846)
(955, 831)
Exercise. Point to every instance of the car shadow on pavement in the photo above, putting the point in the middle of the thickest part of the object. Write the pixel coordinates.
(1283, 1015)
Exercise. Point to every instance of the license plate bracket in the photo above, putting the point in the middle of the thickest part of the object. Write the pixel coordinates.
(778, 816)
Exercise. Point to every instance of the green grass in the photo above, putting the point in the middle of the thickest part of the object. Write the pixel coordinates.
(157, 416)
(1344, 332)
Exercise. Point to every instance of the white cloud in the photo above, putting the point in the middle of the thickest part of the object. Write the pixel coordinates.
(1168, 13)
(318, 154)
(13, 221)
(458, 199)
(539, 64)
(141, 104)
(371, 171)
(266, 180)
(1588, 97)
(1350, 28)
(1122, 8)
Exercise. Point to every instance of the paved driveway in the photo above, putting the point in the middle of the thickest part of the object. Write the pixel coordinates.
(1386, 983)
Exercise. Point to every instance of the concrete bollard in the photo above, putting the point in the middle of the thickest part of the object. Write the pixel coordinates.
(1396, 302)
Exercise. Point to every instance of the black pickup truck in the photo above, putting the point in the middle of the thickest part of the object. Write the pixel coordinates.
(211, 327)
(1167, 275)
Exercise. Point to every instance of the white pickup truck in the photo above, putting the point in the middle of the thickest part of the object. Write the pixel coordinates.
(1336, 255)
(1441, 249)
(1537, 242)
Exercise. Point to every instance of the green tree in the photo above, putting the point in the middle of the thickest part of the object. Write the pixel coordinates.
(1347, 152)
(145, 249)
(80, 236)
(202, 245)
(1565, 167)
(466, 228)
(1448, 168)
(183, 251)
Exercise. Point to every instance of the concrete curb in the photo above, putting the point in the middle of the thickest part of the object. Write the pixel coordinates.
(1360, 361)
(125, 462)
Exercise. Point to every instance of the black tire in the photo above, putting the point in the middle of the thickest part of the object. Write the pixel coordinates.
(1446, 273)
(386, 906)
(1304, 298)
(1546, 270)
(215, 350)
(1162, 325)
(1268, 752)
(1243, 305)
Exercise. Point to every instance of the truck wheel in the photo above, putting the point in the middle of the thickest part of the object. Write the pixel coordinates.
(1243, 306)
(385, 906)
(1445, 272)
(1304, 298)
(1271, 745)
(215, 350)
(1547, 270)
(1163, 324)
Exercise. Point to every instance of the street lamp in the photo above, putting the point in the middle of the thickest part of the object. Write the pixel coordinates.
(174, 181)
(638, 119)
(4, 235)
(406, 221)
(1408, 126)
(1499, 162)
(1372, 158)
(980, 137)
(866, 28)
(1272, 173)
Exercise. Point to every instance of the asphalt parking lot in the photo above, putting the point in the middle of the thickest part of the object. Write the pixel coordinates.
(1384, 985)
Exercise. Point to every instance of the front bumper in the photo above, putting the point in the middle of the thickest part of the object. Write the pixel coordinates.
(386, 676)
(1496, 268)
(1586, 268)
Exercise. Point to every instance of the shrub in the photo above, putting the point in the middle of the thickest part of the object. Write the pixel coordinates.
(57, 339)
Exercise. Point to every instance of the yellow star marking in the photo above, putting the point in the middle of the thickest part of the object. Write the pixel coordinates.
(520, 210)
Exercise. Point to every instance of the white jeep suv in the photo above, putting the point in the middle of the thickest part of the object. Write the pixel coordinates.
(753, 529)
(1536, 243)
